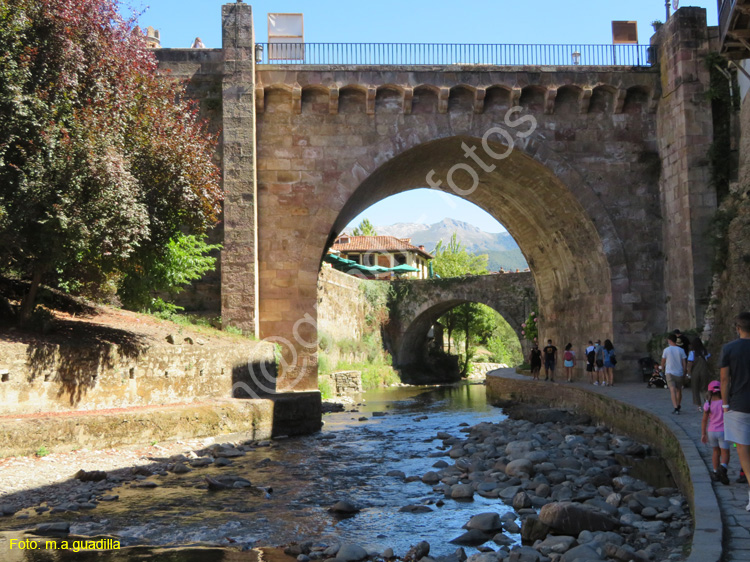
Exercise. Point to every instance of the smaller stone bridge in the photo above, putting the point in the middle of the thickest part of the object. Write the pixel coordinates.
(419, 303)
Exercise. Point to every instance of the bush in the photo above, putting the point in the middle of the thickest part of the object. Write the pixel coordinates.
(325, 387)
(324, 364)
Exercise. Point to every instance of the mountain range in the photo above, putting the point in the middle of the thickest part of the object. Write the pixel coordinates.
(499, 246)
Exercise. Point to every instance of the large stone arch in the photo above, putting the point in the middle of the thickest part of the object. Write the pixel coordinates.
(566, 199)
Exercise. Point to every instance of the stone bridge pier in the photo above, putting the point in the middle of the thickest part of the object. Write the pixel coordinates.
(419, 303)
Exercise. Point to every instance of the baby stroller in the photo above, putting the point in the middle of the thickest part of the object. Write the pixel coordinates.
(654, 377)
(646, 364)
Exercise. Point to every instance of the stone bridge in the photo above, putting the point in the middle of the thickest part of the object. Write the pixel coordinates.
(419, 303)
(600, 174)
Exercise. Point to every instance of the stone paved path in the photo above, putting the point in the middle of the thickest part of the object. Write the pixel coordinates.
(732, 499)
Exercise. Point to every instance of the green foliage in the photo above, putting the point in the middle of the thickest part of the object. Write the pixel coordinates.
(325, 343)
(723, 105)
(229, 329)
(374, 375)
(326, 388)
(377, 294)
(102, 162)
(719, 232)
(324, 364)
(452, 260)
(181, 261)
(530, 328)
(42, 451)
(365, 228)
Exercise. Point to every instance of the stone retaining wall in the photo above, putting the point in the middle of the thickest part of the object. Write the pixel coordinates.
(292, 414)
(53, 377)
(348, 382)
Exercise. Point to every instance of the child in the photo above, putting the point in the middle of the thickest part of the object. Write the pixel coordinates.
(712, 432)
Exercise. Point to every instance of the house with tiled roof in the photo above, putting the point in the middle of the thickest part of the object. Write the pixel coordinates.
(384, 251)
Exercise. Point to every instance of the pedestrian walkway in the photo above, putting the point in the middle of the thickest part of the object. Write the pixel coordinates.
(686, 426)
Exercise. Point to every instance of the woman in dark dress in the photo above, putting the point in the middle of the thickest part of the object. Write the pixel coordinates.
(535, 360)
(699, 371)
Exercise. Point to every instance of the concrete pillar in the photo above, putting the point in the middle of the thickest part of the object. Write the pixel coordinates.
(685, 132)
(239, 258)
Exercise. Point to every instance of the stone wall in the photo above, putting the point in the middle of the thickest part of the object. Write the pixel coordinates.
(347, 382)
(732, 291)
(53, 377)
(685, 133)
(341, 305)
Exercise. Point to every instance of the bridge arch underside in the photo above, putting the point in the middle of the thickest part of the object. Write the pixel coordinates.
(564, 250)
(411, 353)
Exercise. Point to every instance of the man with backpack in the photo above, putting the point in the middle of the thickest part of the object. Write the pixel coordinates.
(599, 360)
(591, 363)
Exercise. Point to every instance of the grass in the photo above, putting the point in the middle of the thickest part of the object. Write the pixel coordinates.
(42, 451)
(202, 324)
(325, 387)
(374, 375)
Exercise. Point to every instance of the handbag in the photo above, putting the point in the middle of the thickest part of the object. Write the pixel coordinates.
(613, 359)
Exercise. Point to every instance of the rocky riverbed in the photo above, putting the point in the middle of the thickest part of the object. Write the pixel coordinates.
(564, 485)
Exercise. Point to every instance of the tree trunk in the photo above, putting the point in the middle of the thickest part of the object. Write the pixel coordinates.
(27, 305)
(467, 319)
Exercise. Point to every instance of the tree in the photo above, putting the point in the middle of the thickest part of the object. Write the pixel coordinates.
(453, 260)
(365, 228)
(102, 161)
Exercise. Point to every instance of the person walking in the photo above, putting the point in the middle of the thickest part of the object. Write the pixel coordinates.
(535, 360)
(609, 362)
(735, 391)
(569, 361)
(591, 363)
(550, 357)
(599, 356)
(697, 368)
(712, 432)
(674, 364)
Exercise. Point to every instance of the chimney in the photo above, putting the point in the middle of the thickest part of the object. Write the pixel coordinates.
(421, 247)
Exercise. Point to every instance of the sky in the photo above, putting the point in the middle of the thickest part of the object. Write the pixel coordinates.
(417, 21)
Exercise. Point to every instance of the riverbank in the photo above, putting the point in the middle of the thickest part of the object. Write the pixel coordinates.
(377, 459)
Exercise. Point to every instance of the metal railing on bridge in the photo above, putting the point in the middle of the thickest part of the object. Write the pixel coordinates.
(452, 54)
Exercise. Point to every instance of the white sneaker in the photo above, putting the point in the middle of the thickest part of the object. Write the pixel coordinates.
(604, 383)
(747, 507)
(596, 383)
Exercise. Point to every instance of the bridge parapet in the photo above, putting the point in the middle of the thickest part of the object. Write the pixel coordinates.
(542, 89)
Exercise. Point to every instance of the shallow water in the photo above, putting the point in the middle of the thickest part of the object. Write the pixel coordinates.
(347, 460)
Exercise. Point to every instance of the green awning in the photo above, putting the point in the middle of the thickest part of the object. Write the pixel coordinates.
(404, 269)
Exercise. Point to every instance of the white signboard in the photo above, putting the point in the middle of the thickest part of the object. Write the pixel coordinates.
(286, 37)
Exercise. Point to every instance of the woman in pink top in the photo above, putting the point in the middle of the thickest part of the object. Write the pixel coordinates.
(712, 432)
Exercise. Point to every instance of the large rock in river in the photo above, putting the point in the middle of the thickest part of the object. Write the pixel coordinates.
(568, 518)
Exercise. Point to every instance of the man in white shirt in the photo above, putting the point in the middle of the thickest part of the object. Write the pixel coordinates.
(674, 364)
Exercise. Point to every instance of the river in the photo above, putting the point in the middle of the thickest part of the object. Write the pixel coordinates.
(347, 460)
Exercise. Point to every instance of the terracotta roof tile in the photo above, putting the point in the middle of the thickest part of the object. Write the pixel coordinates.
(376, 244)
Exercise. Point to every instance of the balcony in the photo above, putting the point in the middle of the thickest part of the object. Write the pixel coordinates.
(734, 24)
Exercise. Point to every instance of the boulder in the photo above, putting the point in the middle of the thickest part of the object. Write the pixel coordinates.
(570, 519)
(582, 552)
(485, 522)
(431, 477)
(533, 530)
(462, 492)
(520, 468)
(558, 544)
(418, 551)
(351, 553)
(344, 507)
(472, 537)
